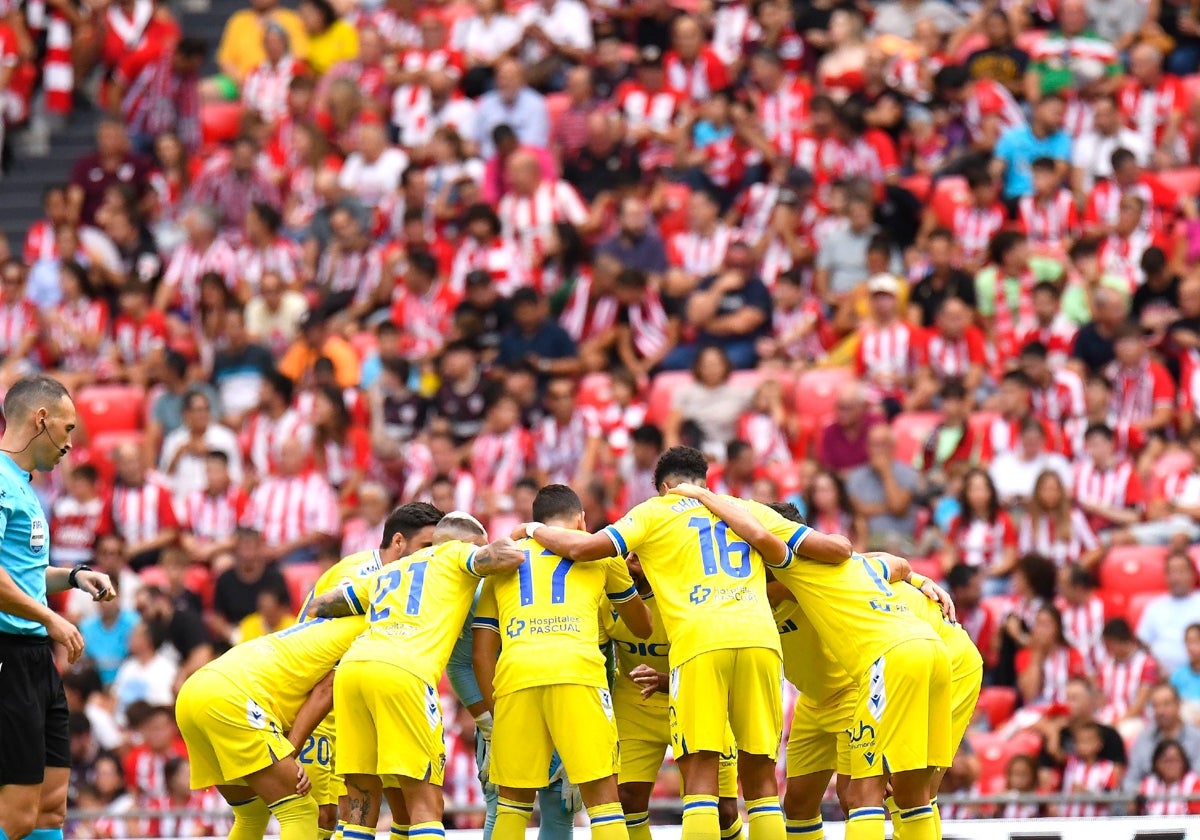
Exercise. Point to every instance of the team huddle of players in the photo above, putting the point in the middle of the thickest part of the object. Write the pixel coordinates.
(703, 599)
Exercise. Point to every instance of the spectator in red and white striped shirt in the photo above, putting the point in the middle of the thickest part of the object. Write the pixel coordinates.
(1143, 390)
(1087, 772)
(1107, 488)
(500, 455)
(1172, 776)
(140, 509)
(1125, 675)
(983, 533)
(1047, 663)
(296, 510)
(212, 514)
(1082, 612)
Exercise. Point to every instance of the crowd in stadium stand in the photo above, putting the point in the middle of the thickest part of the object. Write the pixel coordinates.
(926, 268)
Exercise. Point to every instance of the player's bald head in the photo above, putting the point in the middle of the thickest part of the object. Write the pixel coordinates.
(459, 525)
(680, 464)
(788, 511)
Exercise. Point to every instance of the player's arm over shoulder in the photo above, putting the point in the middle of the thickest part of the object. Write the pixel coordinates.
(623, 594)
(582, 547)
(746, 524)
(803, 541)
(348, 598)
(494, 558)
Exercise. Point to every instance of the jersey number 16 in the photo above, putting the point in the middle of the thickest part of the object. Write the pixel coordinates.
(717, 553)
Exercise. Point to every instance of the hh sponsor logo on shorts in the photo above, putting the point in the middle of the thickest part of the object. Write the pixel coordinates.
(863, 739)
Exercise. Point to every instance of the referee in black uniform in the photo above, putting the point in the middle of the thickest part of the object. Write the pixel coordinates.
(34, 744)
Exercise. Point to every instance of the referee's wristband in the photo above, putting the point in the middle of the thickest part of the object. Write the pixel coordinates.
(72, 578)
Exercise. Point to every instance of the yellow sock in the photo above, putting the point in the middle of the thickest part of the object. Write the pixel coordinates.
(424, 831)
(608, 823)
(638, 825)
(400, 832)
(250, 820)
(733, 830)
(894, 813)
(917, 823)
(766, 819)
(357, 832)
(864, 824)
(813, 829)
(512, 818)
(324, 834)
(700, 820)
(337, 832)
(297, 817)
(937, 817)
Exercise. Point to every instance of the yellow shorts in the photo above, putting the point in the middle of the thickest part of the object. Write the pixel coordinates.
(316, 757)
(644, 735)
(389, 724)
(228, 734)
(902, 717)
(532, 723)
(736, 689)
(964, 694)
(820, 737)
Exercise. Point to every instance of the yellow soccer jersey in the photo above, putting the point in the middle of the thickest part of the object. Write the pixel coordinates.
(710, 584)
(964, 656)
(808, 663)
(632, 652)
(548, 618)
(415, 609)
(854, 609)
(281, 669)
(352, 567)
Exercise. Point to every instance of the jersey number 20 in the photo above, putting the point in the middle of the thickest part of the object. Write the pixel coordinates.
(717, 552)
(386, 584)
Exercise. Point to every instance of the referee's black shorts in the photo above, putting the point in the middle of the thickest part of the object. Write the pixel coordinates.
(33, 711)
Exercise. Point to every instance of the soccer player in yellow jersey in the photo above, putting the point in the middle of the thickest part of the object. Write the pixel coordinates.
(407, 529)
(642, 712)
(725, 666)
(549, 688)
(244, 715)
(389, 721)
(902, 714)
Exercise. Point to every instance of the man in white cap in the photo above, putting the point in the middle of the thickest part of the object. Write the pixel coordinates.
(886, 345)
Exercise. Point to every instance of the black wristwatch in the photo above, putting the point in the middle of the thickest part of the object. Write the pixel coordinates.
(82, 567)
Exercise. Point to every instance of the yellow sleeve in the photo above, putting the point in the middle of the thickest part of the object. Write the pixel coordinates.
(630, 531)
(792, 533)
(487, 613)
(356, 591)
(464, 557)
(618, 585)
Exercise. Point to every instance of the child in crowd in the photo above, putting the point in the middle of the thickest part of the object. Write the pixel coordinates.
(1020, 777)
(1172, 776)
(1087, 773)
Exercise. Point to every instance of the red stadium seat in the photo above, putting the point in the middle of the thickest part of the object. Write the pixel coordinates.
(1192, 85)
(220, 122)
(980, 424)
(595, 389)
(99, 450)
(300, 579)
(364, 343)
(1132, 569)
(806, 433)
(662, 393)
(997, 702)
(918, 185)
(995, 751)
(931, 567)
(556, 105)
(1184, 181)
(816, 391)
(1030, 39)
(751, 379)
(948, 194)
(1137, 606)
(672, 213)
(911, 429)
(973, 42)
(111, 408)
(1116, 603)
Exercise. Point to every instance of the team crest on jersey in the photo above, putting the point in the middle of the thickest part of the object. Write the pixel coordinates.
(515, 628)
(255, 715)
(699, 594)
(37, 535)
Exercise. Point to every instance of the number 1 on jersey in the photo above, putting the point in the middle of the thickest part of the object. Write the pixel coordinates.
(716, 552)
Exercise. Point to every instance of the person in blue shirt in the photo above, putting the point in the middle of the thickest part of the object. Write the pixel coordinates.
(1021, 145)
(106, 637)
(536, 340)
(1186, 678)
(35, 759)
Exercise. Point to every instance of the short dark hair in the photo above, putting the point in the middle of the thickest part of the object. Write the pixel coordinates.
(961, 575)
(735, 449)
(217, 455)
(1048, 287)
(682, 462)
(192, 47)
(525, 296)
(1018, 377)
(408, 519)
(651, 435)
(88, 473)
(788, 511)
(555, 501)
(30, 393)
(1117, 630)
(281, 384)
(953, 389)
(1043, 164)
(1100, 429)
(1122, 157)
(1035, 350)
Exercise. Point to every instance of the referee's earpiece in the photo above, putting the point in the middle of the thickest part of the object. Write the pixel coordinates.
(62, 450)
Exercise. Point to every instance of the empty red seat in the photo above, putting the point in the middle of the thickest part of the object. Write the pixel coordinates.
(995, 751)
(948, 194)
(556, 105)
(1185, 180)
(1137, 606)
(930, 567)
(300, 579)
(816, 391)
(918, 185)
(1116, 603)
(595, 389)
(911, 429)
(1134, 568)
(111, 408)
(220, 121)
(662, 394)
(751, 379)
(997, 703)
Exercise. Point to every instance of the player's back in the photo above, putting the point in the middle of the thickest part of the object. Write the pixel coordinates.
(547, 615)
(710, 583)
(415, 609)
(964, 656)
(282, 668)
(632, 651)
(360, 564)
(808, 663)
